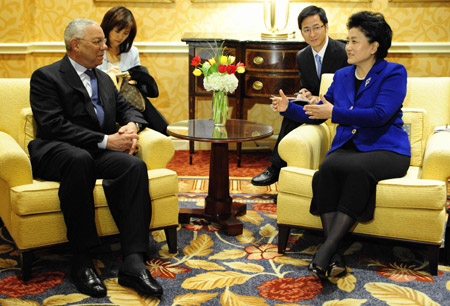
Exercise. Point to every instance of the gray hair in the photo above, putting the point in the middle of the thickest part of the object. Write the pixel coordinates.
(75, 29)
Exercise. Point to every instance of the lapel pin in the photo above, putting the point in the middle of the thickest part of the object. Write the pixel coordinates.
(367, 81)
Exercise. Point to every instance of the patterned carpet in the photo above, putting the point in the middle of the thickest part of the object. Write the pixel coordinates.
(211, 268)
(252, 163)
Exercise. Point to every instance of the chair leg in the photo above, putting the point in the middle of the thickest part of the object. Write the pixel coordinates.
(171, 236)
(283, 235)
(26, 258)
(433, 256)
(447, 243)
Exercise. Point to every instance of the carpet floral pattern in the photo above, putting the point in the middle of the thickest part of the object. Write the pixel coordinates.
(212, 268)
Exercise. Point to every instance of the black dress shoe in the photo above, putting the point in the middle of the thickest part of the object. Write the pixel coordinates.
(143, 283)
(267, 177)
(337, 267)
(317, 271)
(87, 281)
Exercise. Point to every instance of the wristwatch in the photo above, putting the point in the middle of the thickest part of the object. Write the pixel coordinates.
(138, 125)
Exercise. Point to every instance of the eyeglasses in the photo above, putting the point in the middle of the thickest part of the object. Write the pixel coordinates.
(98, 42)
(315, 29)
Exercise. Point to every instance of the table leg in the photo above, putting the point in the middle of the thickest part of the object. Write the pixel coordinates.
(238, 153)
(191, 151)
(219, 206)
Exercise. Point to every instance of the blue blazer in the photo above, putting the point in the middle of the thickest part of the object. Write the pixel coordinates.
(372, 118)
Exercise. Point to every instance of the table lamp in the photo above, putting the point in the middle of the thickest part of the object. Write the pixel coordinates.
(276, 15)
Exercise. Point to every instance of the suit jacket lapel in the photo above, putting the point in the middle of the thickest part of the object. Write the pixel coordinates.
(72, 79)
(328, 58)
(310, 67)
(103, 92)
(349, 85)
(371, 77)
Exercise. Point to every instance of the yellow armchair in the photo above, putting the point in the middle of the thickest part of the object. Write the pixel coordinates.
(30, 209)
(411, 208)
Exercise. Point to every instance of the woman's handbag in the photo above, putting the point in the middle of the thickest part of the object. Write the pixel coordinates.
(148, 87)
(131, 92)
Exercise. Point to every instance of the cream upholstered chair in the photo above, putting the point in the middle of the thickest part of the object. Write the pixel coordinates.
(411, 208)
(30, 209)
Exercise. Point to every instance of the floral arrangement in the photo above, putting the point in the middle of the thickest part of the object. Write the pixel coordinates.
(219, 72)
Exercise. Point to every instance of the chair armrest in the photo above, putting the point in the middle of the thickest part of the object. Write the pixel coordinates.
(15, 166)
(156, 149)
(306, 146)
(436, 162)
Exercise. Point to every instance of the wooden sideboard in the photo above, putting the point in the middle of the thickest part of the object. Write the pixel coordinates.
(271, 65)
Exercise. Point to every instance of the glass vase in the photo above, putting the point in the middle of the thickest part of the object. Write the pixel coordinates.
(219, 108)
(220, 132)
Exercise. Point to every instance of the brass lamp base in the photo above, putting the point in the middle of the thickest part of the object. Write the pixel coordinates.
(277, 36)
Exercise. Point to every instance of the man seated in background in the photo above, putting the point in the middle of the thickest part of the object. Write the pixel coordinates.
(322, 55)
(76, 107)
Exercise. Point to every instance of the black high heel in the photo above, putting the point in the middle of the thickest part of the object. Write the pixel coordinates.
(337, 267)
(317, 271)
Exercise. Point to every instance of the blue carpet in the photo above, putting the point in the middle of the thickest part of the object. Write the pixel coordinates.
(211, 268)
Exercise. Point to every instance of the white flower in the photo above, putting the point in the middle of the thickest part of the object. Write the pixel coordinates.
(221, 82)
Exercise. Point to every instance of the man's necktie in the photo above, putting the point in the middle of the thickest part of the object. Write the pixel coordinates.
(95, 99)
(319, 64)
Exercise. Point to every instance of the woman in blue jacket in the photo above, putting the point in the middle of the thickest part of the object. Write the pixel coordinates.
(370, 145)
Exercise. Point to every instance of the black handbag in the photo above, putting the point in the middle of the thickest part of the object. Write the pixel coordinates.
(149, 89)
(131, 92)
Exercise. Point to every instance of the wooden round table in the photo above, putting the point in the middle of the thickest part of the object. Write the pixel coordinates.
(219, 206)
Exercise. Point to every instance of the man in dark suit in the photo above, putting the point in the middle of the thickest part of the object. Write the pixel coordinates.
(76, 107)
(322, 55)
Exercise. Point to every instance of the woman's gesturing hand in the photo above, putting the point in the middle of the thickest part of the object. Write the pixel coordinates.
(281, 103)
(321, 111)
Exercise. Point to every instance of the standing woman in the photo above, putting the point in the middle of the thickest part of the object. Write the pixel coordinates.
(365, 100)
(119, 27)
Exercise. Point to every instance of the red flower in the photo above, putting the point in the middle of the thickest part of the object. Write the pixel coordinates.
(222, 68)
(196, 60)
(163, 269)
(404, 273)
(265, 207)
(231, 69)
(263, 251)
(12, 286)
(291, 290)
(239, 65)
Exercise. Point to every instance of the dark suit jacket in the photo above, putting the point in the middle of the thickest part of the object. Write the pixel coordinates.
(335, 58)
(373, 117)
(63, 110)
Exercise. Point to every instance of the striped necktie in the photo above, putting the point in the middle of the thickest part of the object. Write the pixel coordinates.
(95, 99)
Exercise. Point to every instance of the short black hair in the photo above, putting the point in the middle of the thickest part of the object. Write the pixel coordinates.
(122, 18)
(311, 11)
(375, 28)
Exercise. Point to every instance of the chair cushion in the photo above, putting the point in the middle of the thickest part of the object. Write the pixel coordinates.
(41, 197)
(406, 192)
(414, 125)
